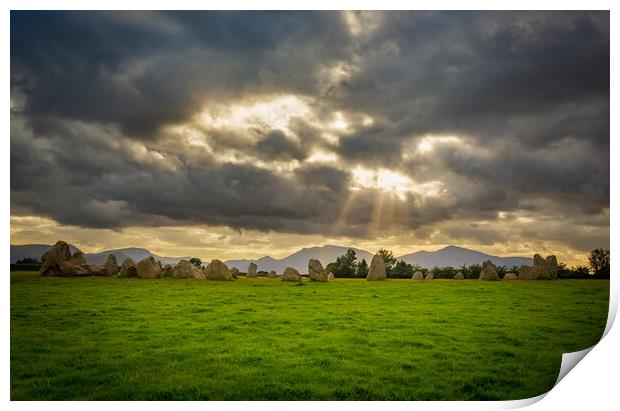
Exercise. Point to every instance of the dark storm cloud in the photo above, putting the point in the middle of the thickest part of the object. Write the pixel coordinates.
(118, 68)
(526, 92)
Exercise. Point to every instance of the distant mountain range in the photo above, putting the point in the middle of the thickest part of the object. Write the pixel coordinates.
(450, 256)
(36, 251)
(299, 260)
(457, 256)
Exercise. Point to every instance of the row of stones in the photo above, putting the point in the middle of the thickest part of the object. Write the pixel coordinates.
(58, 261)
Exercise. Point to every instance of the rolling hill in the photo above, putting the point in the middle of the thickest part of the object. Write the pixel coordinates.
(457, 256)
(298, 260)
(449, 256)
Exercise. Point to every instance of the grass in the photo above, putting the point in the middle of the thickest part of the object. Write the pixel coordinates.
(110, 338)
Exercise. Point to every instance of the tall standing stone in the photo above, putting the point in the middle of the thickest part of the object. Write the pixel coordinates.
(251, 271)
(376, 272)
(316, 272)
(111, 266)
(551, 264)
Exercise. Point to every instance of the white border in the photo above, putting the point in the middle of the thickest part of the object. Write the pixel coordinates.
(592, 384)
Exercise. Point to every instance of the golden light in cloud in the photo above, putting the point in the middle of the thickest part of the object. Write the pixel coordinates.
(429, 142)
(275, 112)
(321, 156)
(390, 181)
(339, 123)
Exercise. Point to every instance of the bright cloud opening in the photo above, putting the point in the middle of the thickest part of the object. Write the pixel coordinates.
(391, 182)
(275, 113)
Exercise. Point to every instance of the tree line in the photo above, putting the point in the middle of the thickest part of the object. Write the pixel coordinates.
(347, 266)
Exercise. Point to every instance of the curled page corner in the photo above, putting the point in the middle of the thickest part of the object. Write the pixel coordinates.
(569, 361)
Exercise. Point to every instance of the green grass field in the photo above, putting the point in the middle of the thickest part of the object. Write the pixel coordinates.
(110, 338)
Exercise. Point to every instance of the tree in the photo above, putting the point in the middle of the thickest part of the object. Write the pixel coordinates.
(196, 261)
(331, 267)
(402, 270)
(362, 269)
(388, 259)
(345, 264)
(599, 262)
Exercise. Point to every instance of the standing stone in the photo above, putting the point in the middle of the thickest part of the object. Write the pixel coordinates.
(376, 272)
(459, 276)
(291, 274)
(272, 274)
(489, 272)
(543, 269)
(168, 270)
(111, 266)
(234, 272)
(251, 271)
(510, 276)
(524, 272)
(551, 264)
(330, 277)
(417, 276)
(316, 272)
(128, 268)
(149, 268)
(429, 275)
(185, 269)
(217, 270)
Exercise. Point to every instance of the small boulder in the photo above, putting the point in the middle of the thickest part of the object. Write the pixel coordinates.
(149, 268)
(316, 272)
(291, 274)
(272, 274)
(128, 268)
(429, 275)
(234, 272)
(489, 272)
(510, 276)
(330, 277)
(111, 266)
(459, 276)
(417, 276)
(185, 269)
(217, 270)
(251, 271)
(376, 272)
(167, 270)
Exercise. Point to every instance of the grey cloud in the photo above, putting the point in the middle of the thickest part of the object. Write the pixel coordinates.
(528, 91)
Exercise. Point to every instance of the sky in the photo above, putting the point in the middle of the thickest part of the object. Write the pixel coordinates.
(244, 134)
